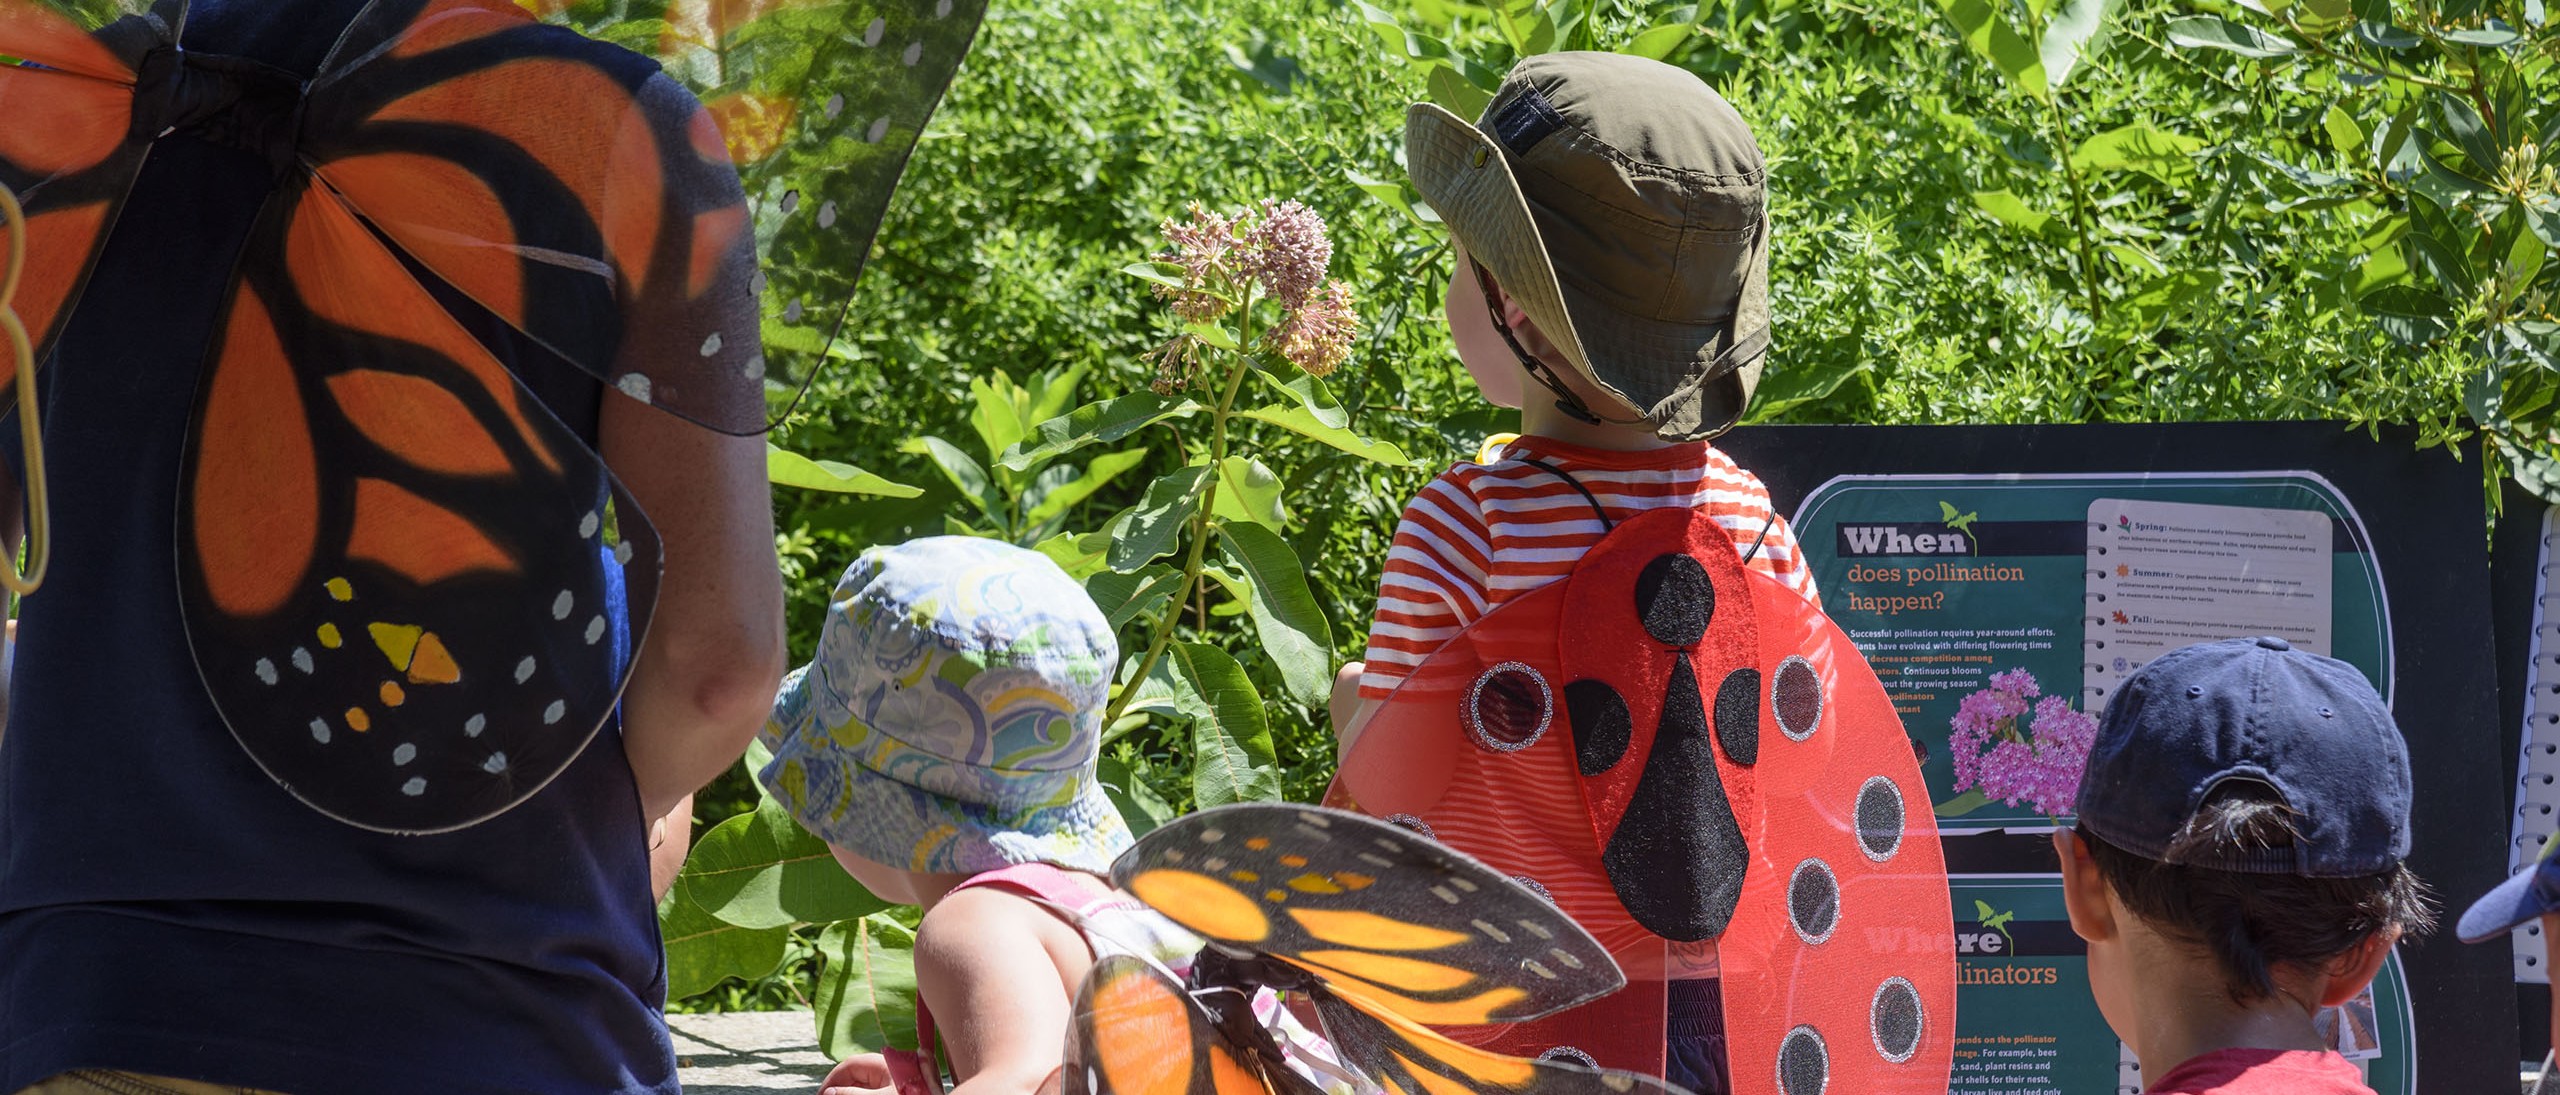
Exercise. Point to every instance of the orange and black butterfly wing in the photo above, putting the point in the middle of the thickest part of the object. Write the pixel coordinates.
(820, 103)
(1373, 909)
(1399, 1055)
(68, 97)
(565, 185)
(1137, 1032)
(399, 571)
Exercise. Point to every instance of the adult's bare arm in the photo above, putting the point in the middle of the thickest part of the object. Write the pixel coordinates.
(705, 677)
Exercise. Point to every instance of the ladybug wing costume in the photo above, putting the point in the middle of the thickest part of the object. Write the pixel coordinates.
(1701, 770)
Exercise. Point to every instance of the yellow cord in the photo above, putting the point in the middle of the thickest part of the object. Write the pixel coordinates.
(30, 434)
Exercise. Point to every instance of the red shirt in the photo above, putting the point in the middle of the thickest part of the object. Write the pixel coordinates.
(2262, 1072)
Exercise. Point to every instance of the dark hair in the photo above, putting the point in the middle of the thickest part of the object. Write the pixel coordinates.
(2249, 922)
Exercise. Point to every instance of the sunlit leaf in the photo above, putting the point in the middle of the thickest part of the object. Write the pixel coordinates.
(1300, 421)
(2216, 32)
(762, 870)
(1154, 525)
(2078, 32)
(1232, 756)
(1126, 597)
(703, 950)
(1093, 423)
(1656, 43)
(1455, 93)
(2012, 210)
(1292, 626)
(1991, 36)
(1248, 490)
(1098, 473)
(1156, 273)
(2137, 147)
(790, 469)
(866, 998)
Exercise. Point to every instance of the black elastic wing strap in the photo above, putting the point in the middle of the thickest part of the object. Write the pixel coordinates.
(1765, 526)
(1606, 524)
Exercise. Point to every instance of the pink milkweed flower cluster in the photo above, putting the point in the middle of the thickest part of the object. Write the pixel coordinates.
(2017, 745)
(1283, 251)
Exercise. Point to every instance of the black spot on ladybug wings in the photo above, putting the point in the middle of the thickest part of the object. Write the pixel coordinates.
(1601, 728)
(1677, 859)
(1675, 600)
(1738, 716)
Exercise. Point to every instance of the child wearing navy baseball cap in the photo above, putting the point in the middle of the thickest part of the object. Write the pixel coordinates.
(2533, 894)
(2237, 865)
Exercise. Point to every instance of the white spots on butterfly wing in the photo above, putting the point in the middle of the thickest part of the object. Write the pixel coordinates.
(595, 630)
(915, 53)
(496, 763)
(711, 344)
(553, 713)
(871, 35)
(1463, 885)
(1539, 968)
(835, 105)
(827, 215)
(416, 786)
(1445, 894)
(1537, 929)
(1490, 932)
(588, 525)
(752, 368)
(266, 671)
(634, 385)
(302, 660)
(1375, 860)
(1566, 957)
(622, 553)
(561, 605)
(471, 727)
(1214, 863)
(942, 10)
(791, 313)
(320, 731)
(790, 202)
(879, 130)
(1212, 836)
(401, 756)
(524, 669)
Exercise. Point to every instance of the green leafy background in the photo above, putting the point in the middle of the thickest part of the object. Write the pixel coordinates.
(1986, 211)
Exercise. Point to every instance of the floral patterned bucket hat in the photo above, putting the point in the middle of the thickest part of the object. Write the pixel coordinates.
(951, 718)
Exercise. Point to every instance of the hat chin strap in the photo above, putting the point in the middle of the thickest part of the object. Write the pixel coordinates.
(1566, 401)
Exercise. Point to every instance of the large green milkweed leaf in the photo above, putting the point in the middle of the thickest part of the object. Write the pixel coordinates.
(1300, 421)
(1248, 490)
(2216, 32)
(2138, 147)
(2078, 32)
(703, 950)
(1097, 474)
(762, 870)
(866, 999)
(1232, 757)
(1982, 28)
(1152, 527)
(1094, 423)
(790, 469)
(1293, 629)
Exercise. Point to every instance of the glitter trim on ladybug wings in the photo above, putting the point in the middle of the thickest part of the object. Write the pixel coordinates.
(1702, 771)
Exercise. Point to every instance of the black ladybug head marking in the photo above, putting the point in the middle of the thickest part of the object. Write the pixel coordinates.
(1675, 600)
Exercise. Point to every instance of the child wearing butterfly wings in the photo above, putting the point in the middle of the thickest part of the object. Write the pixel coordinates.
(942, 742)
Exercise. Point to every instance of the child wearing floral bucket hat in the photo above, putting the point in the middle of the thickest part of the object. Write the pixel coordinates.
(943, 742)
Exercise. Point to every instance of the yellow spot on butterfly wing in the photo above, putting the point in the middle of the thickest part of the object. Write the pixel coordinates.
(1314, 883)
(392, 696)
(1353, 880)
(397, 642)
(339, 589)
(1387, 969)
(330, 638)
(1202, 904)
(433, 665)
(1293, 861)
(358, 721)
(1484, 1007)
(1370, 931)
(1258, 843)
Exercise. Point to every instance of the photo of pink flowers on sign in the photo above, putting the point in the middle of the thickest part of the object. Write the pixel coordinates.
(2013, 744)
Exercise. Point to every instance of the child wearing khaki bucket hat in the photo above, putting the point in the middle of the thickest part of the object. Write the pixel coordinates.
(1609, 216)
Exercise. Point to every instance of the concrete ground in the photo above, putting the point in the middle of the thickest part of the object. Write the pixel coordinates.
(748, 1053)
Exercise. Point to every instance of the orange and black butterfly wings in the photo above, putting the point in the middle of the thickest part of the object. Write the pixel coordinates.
(1381, 914)
(68, 96)
(1139, 1032)
(1386, 931)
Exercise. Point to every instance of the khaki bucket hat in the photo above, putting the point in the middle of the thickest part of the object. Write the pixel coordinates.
(1624, 205)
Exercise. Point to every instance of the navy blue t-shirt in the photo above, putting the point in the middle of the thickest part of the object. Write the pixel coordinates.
(165, 907)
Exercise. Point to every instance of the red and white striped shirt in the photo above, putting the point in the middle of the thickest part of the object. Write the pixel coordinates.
(1482, 534)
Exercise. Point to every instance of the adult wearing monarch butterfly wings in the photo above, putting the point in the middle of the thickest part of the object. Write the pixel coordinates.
(399, 579)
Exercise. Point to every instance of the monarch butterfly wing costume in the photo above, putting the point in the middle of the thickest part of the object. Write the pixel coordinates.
(1702, 771)
(395, 565)
(821, 103)
(1382, 930)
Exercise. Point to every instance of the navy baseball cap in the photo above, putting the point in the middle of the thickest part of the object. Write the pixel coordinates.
(2310, 727)
(2531, 893)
